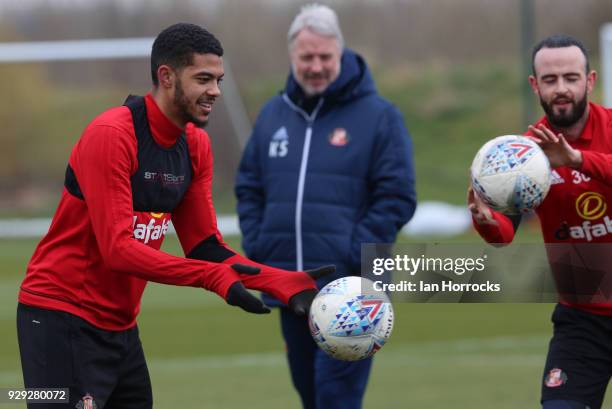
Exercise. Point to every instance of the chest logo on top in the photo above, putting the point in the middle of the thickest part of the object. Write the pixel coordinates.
(164, 178)
(279, 144)
(339, 137)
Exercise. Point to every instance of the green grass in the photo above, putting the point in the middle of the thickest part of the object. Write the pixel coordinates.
(205, 354)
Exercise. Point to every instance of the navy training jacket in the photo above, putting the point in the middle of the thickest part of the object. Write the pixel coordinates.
(318, 179)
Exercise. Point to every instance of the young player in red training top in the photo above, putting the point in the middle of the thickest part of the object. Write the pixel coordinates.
(135, 168)
(576, 135)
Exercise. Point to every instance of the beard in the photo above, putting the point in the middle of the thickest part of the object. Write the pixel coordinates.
(309, 90)
(181, 102)
(565, 118)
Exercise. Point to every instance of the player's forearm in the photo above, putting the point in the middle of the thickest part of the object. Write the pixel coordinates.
(124, 254)
(281, 284)
(149, 264)
(501, 233)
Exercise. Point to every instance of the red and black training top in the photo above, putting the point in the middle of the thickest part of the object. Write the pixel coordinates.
(577, 211)
(130, 174)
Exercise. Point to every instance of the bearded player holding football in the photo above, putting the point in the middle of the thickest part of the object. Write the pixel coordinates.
(576, 136)
(135, 168)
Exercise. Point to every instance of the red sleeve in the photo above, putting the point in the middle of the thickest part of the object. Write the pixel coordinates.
(281, 284)
(597, 165)
(501, 234)
(195, 220)
(103, 162)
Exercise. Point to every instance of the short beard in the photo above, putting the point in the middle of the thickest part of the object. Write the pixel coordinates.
(565, 120)
(309, 92)
(181, 104)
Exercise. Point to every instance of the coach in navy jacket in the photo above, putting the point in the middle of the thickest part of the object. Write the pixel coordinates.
(305, 199)
(322, 174)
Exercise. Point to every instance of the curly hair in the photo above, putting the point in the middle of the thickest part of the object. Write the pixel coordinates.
(175, 47)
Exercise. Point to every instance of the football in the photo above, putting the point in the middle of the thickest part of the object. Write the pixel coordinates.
(349, 320)
(511, 174)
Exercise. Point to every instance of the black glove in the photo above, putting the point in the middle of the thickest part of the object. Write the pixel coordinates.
(320, 272)
(300, 303)
(239, 296)
(245, 269)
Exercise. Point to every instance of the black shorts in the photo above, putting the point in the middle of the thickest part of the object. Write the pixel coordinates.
(61, 350)
(579, 362)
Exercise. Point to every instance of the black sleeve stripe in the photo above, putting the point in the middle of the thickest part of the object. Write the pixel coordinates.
(72, 184)
(210, 250)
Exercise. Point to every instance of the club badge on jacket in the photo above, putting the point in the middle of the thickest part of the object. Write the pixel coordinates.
(339, 137)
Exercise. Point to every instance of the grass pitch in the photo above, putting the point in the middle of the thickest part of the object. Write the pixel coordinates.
(205, 354)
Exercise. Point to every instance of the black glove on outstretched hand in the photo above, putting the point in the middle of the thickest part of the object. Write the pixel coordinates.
(321, 272)
(300, 303)
(238, 295)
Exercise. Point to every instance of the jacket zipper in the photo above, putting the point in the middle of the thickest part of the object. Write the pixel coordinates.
(302, 177)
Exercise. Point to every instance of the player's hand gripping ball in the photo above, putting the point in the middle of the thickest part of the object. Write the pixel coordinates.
(349, 320)
(511, 174)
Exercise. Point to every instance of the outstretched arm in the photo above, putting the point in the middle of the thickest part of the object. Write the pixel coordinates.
(494, 227)
(196, 224)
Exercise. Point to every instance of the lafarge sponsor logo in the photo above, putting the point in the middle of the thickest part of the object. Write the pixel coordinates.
(590, 206)
(155, 229)
(164, 178)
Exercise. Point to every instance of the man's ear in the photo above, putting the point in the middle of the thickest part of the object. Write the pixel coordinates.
(166, 76)
(534, 84)
(591, 80)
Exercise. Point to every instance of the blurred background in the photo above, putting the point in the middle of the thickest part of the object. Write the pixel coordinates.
(456, 69)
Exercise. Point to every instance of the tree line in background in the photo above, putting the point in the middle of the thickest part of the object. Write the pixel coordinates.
(448, 65)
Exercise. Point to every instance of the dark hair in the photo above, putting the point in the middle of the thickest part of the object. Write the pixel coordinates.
(175, 47)
(560, 41)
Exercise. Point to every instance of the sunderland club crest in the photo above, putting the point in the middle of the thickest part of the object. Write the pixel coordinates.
(86, 402)
(339, 137)
(555, 378)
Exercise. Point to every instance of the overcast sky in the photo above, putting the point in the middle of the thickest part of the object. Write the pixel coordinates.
(131, 4)
(128, 4)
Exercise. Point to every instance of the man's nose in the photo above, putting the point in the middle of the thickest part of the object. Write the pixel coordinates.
(214, 90)
(562, 87)
(316, 65)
